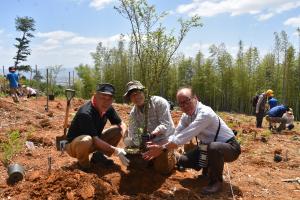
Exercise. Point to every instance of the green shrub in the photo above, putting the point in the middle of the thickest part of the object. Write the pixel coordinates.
(11, 147)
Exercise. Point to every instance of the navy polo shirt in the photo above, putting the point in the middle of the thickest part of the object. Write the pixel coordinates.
(88, 121)
(277, 111)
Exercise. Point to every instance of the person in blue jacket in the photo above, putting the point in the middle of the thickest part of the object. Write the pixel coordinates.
(13, 79)
(275, 114)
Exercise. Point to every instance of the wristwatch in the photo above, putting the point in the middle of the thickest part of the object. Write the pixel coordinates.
(164, 148)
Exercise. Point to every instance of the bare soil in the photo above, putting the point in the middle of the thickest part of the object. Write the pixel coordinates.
(255, 175)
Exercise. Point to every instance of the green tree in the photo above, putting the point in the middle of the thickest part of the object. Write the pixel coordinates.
(87, 81)
(25, 25)
(153, 46)
(52, 76)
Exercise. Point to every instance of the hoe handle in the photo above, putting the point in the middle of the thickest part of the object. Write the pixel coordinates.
(66, 118)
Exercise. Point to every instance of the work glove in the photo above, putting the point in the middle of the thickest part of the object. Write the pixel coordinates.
(121, 154)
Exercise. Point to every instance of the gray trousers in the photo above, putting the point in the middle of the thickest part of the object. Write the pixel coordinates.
(218, 154)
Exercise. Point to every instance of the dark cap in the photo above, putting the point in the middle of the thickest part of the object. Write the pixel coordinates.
(133, 85)
(105, 88)
(12, 69)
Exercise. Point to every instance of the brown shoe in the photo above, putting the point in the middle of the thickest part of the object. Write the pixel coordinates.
(212, 188)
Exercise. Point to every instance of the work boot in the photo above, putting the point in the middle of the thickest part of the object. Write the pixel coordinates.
(99, 157)
(212, 188)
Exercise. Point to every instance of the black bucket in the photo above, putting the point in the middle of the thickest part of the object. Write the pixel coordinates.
(15, 172)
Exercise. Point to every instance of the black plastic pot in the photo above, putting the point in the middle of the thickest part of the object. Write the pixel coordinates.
(51, 97)
(15, 173)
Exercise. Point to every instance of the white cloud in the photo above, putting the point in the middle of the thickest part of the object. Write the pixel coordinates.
(51, 41)
(56, 35)
(266, 16)
(100, 4)
(1, 31)
(263, 9)
(67, 48)
(79, 40)
(294, 21)
(288, 6)
(192, 50)
(58, 38)
(296, 34)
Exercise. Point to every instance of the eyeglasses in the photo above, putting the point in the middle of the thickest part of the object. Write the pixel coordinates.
(134, 92)
(185, 102)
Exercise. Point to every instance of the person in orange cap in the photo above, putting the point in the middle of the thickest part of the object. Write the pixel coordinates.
(260, 106)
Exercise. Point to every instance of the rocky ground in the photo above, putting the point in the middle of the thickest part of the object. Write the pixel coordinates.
(255, 175)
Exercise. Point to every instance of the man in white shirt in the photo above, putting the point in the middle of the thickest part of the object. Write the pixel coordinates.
(202, 122)
(28, 91)
(289, 117)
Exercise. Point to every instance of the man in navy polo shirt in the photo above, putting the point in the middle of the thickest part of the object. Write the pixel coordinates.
(86, 134)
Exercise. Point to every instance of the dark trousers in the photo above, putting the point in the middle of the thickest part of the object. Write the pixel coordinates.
(31, 95)
(259, 118)
(218, 154)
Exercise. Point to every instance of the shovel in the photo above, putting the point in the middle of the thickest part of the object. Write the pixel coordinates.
(61, 140)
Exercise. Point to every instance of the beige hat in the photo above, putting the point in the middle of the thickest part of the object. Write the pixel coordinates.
(132, 85)
(290, 111)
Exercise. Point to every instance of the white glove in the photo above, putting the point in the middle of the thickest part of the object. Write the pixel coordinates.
(121, 154)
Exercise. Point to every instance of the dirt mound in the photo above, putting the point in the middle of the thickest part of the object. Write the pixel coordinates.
(62, 184)
(40, 141)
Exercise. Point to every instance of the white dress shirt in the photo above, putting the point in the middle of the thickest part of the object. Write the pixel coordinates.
(204, 124)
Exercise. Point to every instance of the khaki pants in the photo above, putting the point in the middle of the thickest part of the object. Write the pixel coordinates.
(165, 162)
(83, 145)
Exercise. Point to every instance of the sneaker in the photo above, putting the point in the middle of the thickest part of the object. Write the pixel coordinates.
(99, 157)
(180, 168)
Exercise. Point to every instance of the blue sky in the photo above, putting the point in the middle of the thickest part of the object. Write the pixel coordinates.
(67, 31)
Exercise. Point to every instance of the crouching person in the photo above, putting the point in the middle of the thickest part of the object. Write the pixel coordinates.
(160, 124)
(86, 134)
(289, 117)
(275, 115)
(202, 122)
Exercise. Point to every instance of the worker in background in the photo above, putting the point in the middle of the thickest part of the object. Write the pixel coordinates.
(261, 107)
